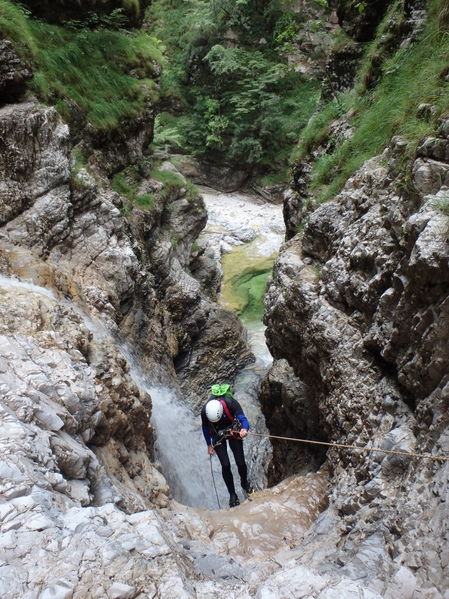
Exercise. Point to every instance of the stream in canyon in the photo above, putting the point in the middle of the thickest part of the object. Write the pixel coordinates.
(244, 234)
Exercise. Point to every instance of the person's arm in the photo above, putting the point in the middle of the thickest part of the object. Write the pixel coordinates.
(206, 433)
(239, 414)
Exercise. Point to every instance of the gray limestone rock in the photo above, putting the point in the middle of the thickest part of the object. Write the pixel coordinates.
(358, 307)
(34, 160)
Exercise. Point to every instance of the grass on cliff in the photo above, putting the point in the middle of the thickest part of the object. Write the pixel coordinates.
(15, 26)
(415, 74)
(127, 188)
(106, 74)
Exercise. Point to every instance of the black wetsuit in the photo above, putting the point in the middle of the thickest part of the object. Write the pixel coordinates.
(211, 432)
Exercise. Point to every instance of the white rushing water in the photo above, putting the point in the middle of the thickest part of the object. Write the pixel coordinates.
(13, 283)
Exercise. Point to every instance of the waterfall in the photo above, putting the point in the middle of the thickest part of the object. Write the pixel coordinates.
(180, 447)
(13, 283)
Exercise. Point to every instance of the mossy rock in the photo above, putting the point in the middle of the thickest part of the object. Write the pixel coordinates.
(246, 274)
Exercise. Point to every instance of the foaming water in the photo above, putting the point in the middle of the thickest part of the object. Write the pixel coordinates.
(182, 452)
(10, 283)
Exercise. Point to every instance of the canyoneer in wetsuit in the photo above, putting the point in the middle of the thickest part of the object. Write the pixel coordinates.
(224, 422)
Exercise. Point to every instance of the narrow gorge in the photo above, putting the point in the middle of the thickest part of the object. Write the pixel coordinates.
(248, 192)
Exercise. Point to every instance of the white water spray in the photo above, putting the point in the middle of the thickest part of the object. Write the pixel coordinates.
(13, 283)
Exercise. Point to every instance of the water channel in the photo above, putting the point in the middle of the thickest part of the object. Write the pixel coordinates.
(244, 233)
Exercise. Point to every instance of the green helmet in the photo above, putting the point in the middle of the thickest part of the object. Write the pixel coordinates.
(219, 390)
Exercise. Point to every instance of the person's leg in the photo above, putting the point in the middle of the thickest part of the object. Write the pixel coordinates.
(222, 453)
(236, 446)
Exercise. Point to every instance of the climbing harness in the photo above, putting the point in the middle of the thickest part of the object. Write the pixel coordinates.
(232, 432)
(409, 454)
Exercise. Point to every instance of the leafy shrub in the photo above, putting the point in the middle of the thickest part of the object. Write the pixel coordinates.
(240, 103)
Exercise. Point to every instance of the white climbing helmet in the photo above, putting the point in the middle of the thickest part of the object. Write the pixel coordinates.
(214, 410)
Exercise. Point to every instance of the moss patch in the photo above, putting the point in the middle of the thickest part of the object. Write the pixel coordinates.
(244, 282)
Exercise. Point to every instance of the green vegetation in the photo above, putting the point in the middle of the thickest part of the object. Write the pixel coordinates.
(127, 182)
(168, 177)
(192, 192)
(441, 204)
(126, 186)
(91, 69)
(145, 200)
(15, 26)
(412, 75)
(240, 102)
(88, 68)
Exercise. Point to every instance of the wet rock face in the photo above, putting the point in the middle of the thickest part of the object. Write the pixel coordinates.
(359, 308)
(291, 411)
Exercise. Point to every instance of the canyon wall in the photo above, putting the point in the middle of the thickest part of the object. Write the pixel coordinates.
(359, 308)
(90, 283)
